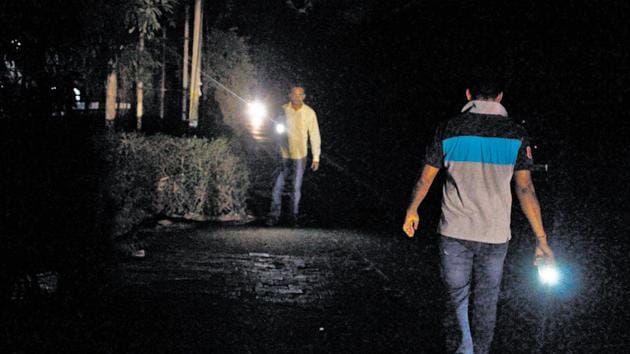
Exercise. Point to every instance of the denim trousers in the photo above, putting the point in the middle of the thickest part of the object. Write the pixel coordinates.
(471, 270)
(292, 169)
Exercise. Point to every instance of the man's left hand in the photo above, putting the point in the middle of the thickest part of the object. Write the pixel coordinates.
(315, 166)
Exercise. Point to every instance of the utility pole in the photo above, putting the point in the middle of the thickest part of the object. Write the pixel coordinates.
(195, 76)
(185, 66)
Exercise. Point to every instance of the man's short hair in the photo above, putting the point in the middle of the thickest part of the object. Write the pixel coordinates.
(485, 84)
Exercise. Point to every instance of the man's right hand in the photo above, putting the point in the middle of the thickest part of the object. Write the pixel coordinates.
(412, 220)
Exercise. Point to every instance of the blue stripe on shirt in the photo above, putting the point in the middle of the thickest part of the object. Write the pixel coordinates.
(498, 151)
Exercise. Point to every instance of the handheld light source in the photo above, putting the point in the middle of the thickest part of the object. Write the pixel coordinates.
(547, 272)
(280, 128)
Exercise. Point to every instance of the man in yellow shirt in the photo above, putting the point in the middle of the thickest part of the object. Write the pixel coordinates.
(300, 126)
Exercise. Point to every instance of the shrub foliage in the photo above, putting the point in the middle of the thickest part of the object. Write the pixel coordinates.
(190, 178)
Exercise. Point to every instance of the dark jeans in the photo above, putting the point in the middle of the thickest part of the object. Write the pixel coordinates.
(293, 170)
(471, 268)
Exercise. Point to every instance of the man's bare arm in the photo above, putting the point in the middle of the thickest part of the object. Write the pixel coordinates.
(419, 193)
(531, 208)
(422, 186)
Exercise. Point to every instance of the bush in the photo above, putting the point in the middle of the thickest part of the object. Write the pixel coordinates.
(188, 178)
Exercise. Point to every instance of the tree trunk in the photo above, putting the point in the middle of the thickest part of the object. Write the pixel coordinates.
(110, 96)
(163, 79)
(195, 82)
(139, 85)
(185, 66)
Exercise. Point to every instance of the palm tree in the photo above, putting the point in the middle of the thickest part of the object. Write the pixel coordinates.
(143, 17)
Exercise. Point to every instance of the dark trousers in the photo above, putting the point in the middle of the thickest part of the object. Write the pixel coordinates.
(471, 268)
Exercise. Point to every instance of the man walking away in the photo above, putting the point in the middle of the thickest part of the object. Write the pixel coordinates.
(482, 150)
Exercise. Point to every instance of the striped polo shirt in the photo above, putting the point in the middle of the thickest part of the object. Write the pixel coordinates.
(480, 150)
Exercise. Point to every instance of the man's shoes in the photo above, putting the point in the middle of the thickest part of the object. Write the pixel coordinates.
(271, 221)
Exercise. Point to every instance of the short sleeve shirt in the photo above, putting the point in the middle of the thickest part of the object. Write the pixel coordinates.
(480, 153)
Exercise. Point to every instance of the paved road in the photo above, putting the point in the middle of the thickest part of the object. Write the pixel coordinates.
(249, 289)
(256, 290)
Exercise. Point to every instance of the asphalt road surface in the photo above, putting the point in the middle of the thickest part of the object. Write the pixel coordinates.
(250, 289)
(287, 290)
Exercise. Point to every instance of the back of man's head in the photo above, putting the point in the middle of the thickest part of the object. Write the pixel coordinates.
(485, 84)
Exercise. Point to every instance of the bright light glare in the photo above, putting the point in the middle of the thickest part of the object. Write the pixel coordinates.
(257, 112)
(280, 128)
(548, 274)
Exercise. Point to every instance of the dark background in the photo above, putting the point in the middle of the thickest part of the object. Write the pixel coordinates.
(381, 76)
